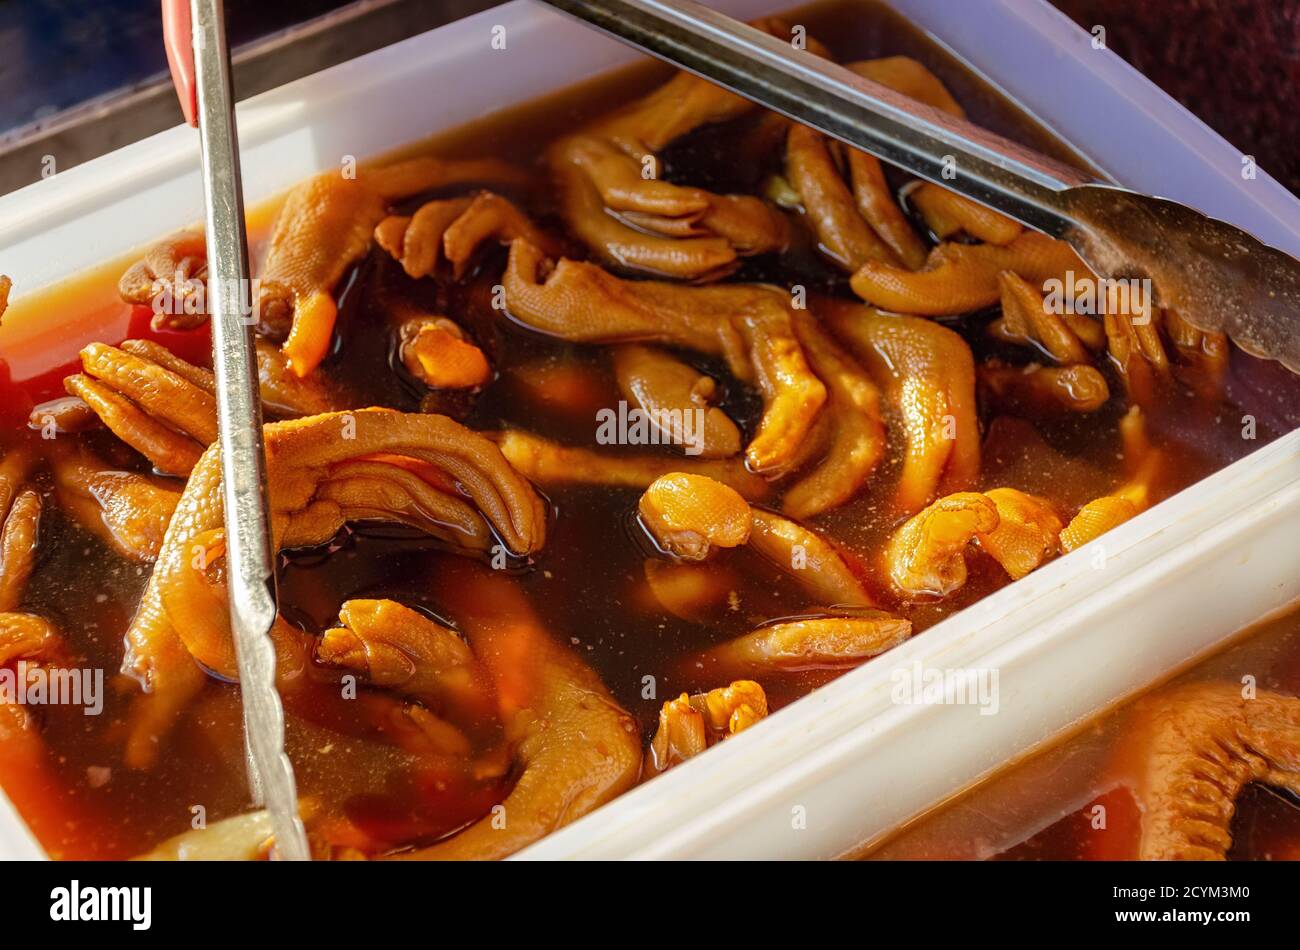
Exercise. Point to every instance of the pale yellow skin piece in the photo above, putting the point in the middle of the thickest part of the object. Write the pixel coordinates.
(690, 723)
(850, 434)
(960, 278)
(549, 463)
(814, 643)
(750, 326)
(128, 510)
(326, 224)
(947, 213)
(1045, 389)
(1144, 464)
(165, 408)
(238, 838)
(156, 403)
(927, 375)
(843, 191)
(688, 590)
(613, 199)
(575, 749)
(399, 649)
(322, 471)
(23, 636)
(20, 518)
(453, 229)
(668, 390)
(1026, 317)
(926, 556)
(690, 516)
(1198, 746)
(1027, 533)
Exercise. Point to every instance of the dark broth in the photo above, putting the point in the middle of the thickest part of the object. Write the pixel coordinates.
(588, 584)
(1046, 807)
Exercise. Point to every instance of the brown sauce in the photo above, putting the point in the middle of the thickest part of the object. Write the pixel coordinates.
(1047, 807)
(588, 584)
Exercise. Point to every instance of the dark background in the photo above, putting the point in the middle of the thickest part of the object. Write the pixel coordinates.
(56, 53)
(1235, 63)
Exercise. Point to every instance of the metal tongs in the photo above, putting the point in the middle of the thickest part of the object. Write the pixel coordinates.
(1218, 277)
(200, 61)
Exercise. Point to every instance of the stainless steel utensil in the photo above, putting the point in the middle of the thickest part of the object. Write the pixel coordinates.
(249, 555)
(1218, 277)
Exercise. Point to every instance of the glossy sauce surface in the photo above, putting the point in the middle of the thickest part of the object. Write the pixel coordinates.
(588, 585)
(1074, 801)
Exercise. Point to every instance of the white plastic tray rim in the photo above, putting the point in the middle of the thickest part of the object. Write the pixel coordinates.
(845, 752)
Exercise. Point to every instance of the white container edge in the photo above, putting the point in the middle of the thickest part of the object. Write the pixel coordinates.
(53, 229)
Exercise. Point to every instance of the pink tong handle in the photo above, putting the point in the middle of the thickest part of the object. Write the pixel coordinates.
(178, 39)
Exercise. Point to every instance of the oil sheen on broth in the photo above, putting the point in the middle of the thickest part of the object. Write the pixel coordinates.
(588, 585)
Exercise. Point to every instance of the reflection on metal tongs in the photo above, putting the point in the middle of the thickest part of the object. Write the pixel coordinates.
(200, 61)
(1218, 277)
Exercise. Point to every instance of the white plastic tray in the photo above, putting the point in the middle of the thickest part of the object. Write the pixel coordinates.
(1066, 641)
(846, 764)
